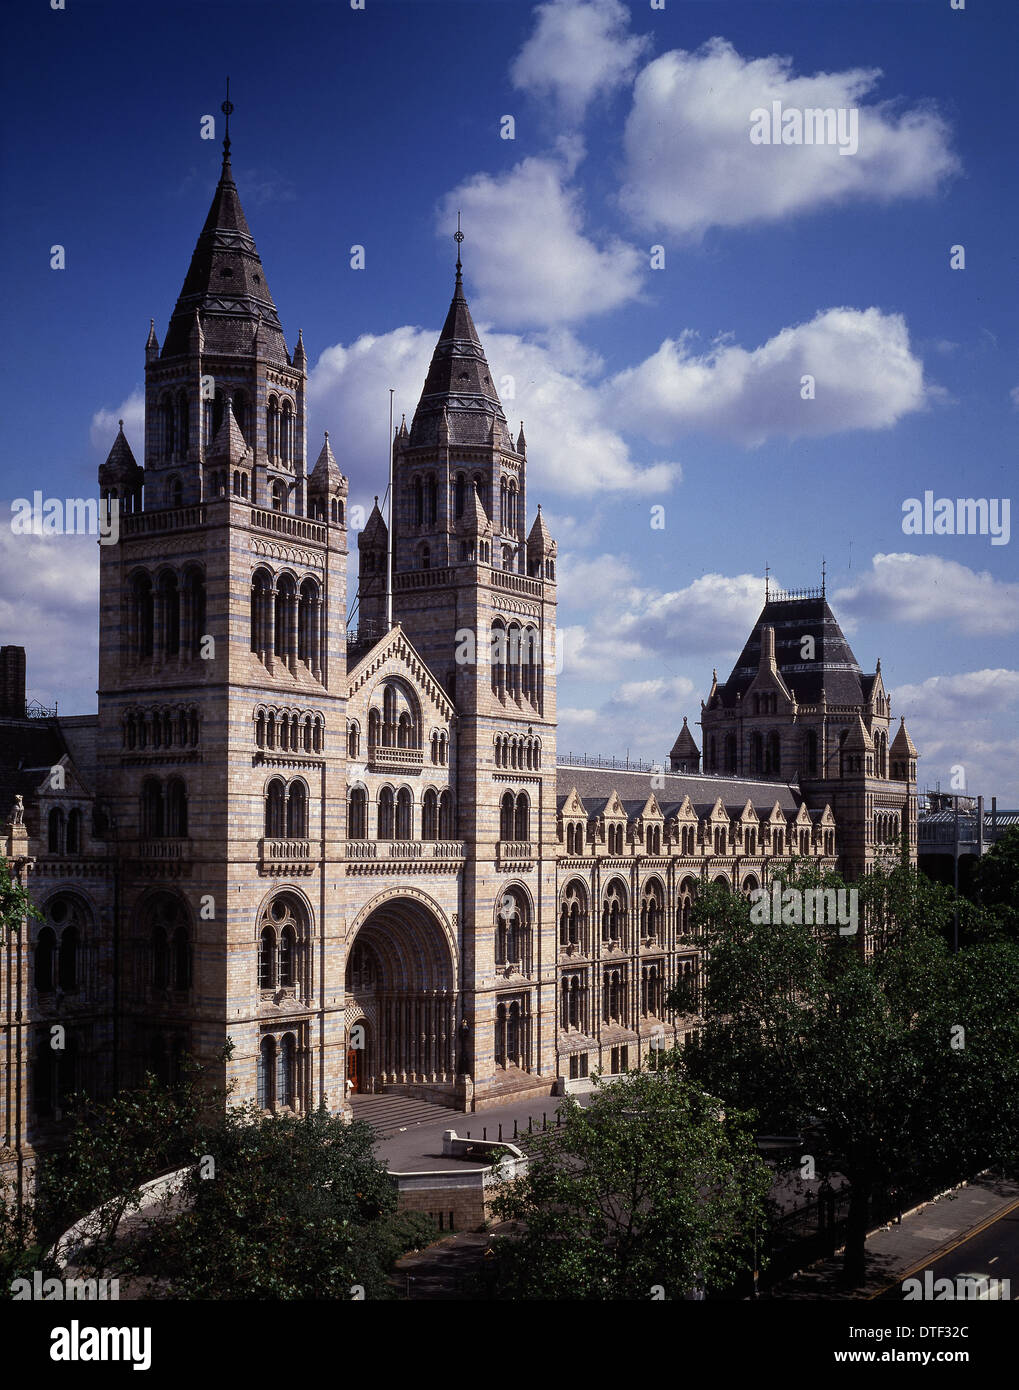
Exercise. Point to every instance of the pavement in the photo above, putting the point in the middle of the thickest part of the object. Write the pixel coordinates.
(972, 1229)
(416, 1146)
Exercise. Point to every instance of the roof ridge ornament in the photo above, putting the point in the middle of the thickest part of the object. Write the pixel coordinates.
(226, 108)
(458, 237)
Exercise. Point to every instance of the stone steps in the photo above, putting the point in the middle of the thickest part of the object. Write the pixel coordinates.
(390, 1114)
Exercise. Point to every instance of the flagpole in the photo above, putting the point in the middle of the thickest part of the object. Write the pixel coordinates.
(389, 546)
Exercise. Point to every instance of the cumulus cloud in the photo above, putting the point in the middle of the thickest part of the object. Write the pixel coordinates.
(969, 721)
(49, 604)
(639, 718)
(865, 377)
(690, 163)
(550, 385)
(580, 49)
(103, 430)
(930, 589)
(652, 631)
(528, 255)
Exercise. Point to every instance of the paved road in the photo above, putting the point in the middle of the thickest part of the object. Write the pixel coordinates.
(992, 1249)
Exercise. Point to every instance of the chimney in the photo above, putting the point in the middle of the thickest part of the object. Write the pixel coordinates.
(768, 648)
(12, 682)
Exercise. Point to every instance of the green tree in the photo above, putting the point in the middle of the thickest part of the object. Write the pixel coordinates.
(859, 1036)
(650, 1185)
(281, 1207)
(996, 884)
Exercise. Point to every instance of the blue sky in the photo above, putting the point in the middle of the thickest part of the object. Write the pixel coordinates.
(676, 387)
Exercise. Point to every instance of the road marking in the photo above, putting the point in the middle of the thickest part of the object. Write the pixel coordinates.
(947, 1249)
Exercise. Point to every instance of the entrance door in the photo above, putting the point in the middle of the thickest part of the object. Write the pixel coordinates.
(354, 1077)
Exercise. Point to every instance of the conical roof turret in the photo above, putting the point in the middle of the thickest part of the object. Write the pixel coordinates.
(326, 474)
(121, 464)
(229, 445)
(902, 745)
(460, 384)
(226, 282)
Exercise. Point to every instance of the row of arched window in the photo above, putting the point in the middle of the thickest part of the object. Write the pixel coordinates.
(511, 511)
(277, 1072)
(723, 839)
(515, 817)
(424, 494)
(764, 754)
(286, 809)
(320, 511)
(440, 749)
(522, 752)
(164, 808)
(886, 827)
(289, 730)
(614, 913)
(175, 727)
(395, 814)
(166, 617)
(516, 672)
(286, 619)
(173, 426)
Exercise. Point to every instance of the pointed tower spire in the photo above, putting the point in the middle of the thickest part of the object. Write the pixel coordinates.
(226, 281)
(151, 343)
(300, 356)
(521, 441)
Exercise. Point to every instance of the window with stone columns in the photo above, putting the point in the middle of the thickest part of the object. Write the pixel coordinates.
(283, 938)
(614, 913)
(513, 1032)
(513, 931)
(652, 910)
(573, 918)
(574, 1002)
(652, 990)
(357, 814)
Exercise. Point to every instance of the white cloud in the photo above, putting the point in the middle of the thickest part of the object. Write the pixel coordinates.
(579, 50)
(1013, 396)
(639, 718)
(969, 721)
(865, 373)
(930, 589)
(49, 604)
(691, 164)
(103, 430)
(548, 384)
(588, 583)
(527, 252)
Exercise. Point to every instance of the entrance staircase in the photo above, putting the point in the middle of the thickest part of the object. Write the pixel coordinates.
(389, 1114)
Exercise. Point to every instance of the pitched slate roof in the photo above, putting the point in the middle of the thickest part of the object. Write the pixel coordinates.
(595, 786)
(834, 668)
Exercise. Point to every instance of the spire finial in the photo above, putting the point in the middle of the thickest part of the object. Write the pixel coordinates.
(767, 582)
(121, 424)
(458, 237)
(824, 574)
(226, 108)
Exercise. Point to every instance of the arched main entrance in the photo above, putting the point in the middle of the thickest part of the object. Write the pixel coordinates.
(401, 986)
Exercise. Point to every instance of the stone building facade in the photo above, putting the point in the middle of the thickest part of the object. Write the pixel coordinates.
(351, 851)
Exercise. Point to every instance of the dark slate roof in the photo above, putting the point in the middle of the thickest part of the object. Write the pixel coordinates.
(226, 283)
(28, 749)
(459, 379)
(835, 668)
(595, 786)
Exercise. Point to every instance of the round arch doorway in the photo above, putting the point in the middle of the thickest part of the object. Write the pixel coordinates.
(401, 986)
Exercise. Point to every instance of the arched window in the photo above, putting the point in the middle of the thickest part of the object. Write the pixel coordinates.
(275, 809)
(272, 428)
(55, 831)
(152, 809)
(266, 1073)
(418, 502)
(513, 931)
(45, 961)
(181, 958)
(176, 809)
(282, 935)
(353, 740)
(267, 959)
(74, 832)
(386, 814)
(169, 610)
(357, 814)
(522, 817)
(498, 660)
(446, 828)
(459, 496)
(297, 811)
(431, 499)
(426, 557)
(142, 615)
(285, 1071)
(307, 624)
(278, 496)
(404, 731)
(613, 914)
(287, 433)
(773, 754)
(506, 808)
(374, 728)
(404, 814)
(573, 917)
(430, 815)
(730, 752)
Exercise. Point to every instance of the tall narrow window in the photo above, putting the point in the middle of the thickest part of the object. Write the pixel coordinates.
(266, 1072)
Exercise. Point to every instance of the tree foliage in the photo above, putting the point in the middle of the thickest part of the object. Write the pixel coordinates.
(650, 1185)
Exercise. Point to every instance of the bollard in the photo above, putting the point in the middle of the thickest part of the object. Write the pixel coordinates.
(529, 1130)
(514, 1129)
(468, 1134)
(544, 1120)
(500, 1133)
(484, 1132)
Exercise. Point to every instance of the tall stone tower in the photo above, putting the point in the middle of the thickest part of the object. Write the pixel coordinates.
(221, 696)
(475, 592)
